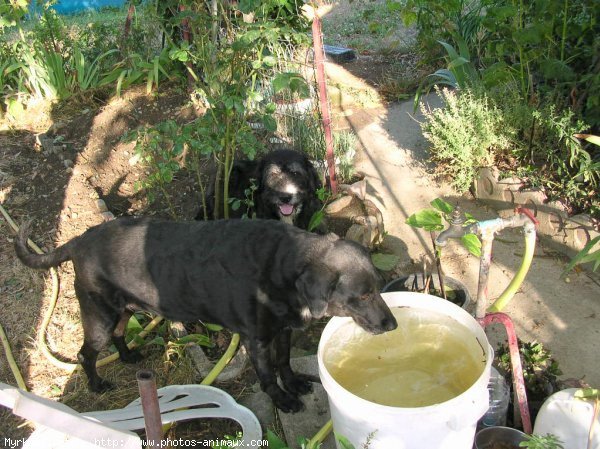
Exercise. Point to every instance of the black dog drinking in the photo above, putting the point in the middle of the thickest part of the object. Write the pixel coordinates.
(259, 278)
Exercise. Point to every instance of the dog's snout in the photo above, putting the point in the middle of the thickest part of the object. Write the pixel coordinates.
(285, 198)
(389, 323)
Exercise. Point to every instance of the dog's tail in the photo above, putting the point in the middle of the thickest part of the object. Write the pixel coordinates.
(52, 259)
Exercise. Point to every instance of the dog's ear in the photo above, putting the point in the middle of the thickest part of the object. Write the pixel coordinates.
(259, 174)
(315, 286)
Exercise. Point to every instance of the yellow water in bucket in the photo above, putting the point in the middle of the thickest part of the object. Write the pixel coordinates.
(430, 358)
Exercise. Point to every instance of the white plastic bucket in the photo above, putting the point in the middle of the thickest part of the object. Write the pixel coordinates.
(447, 425)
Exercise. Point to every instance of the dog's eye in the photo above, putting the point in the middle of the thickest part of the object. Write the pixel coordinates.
(365, 297)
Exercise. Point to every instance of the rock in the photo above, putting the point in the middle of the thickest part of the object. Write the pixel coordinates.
(262, 406)
(356, 219)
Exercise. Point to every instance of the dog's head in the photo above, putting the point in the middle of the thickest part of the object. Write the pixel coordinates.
(287, 181)
(344, 282)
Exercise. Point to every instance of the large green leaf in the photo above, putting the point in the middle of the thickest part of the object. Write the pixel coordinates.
(316, 220)
(274, 441)
(555, 69)
(441, 205)
(385, 262)
(585, 255)
(344, 442)
(589, 137)
(428, 219)
(472, 243)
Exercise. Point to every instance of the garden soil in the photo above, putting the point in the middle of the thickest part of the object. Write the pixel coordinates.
(55, 168)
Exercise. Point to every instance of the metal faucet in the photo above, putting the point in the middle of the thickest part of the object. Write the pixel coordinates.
(456, 229)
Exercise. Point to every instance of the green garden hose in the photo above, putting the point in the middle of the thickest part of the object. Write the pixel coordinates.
(516, 282)
(323, 432)
(223, 361)
(11, 360)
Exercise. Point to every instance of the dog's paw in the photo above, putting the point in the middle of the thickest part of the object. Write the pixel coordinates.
(285, 401)
(131, 356)
(298, 384)
(101, 386)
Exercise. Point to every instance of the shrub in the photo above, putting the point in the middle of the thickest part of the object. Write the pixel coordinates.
(464, 134)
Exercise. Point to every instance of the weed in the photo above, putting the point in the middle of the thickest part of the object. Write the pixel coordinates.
(542, 442)
(540, 370)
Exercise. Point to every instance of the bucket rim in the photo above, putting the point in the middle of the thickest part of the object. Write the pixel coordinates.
(399, 299)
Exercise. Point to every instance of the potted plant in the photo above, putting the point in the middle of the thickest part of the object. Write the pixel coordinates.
(433, 220)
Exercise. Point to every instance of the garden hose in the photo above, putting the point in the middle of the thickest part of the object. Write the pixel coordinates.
(223, 361)
(323, 432)
(11, 360)
(516, 282)
(215, 371)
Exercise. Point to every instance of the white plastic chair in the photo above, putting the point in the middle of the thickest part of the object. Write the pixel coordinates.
(64, 428)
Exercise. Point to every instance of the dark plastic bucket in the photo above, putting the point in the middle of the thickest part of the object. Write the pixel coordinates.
(416, 283)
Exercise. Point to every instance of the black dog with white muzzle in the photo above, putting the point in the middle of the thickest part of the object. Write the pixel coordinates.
(286, 188)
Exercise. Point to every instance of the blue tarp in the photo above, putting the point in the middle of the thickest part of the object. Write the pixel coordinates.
(72, 6)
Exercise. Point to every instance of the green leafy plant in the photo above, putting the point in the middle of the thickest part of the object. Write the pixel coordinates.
(135, 68)
(317, 218)
(87, 76)
(585, 255)
(158, 148)
(460, 72)
(432, 220)
(247, 201)
(540, 369)
(542, 442)
(11, 12)
(562, 165)
(234, 71)
(231, 88)
(464, 134)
